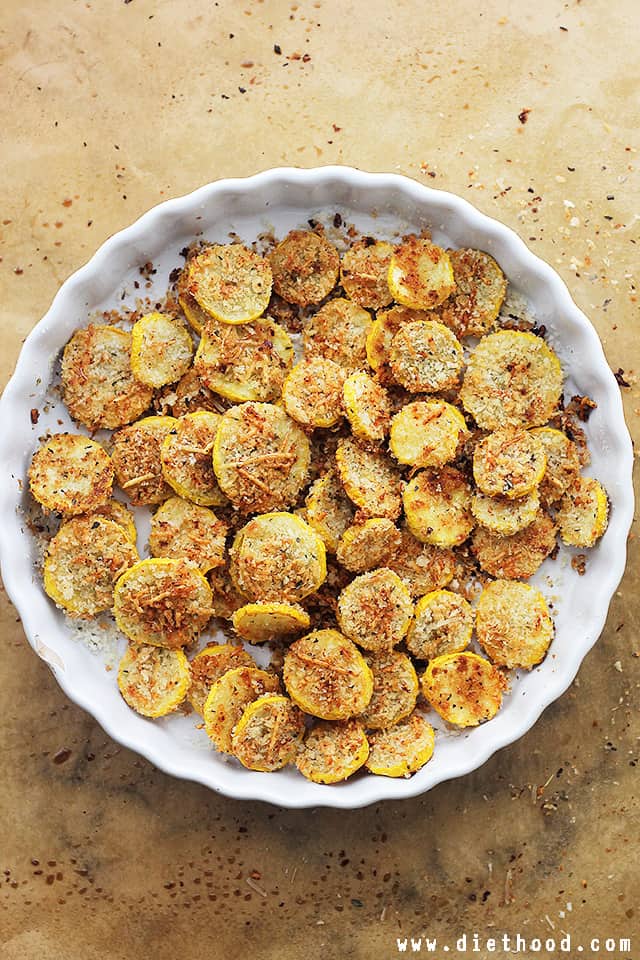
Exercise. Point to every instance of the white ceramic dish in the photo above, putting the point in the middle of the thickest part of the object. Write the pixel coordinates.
(279, 200)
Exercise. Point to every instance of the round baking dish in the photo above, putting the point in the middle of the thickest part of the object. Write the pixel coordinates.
(278, 200)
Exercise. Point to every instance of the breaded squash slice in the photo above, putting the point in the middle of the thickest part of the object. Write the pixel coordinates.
(463, 688)
(305, 268)
(503, 516)
(332, 752)
(98, 385)
(367, 545)
(269, 733)
(326, 675)
(152, 681)
(186, 456)
(584, 512)
(229, 282)
(137, 462)
(247, 362)
(401, 750)
(421, 566)
(209, 665)
(83, 562)
(427, 433)
(328, 509)
(267, 620)
(519, 556)
(367, 406)
(279, 557)
(364, 273)
(162, 601)
(261, 457)
(420, 274)
(510, 462)
(511, 377)
(443, 623)
(338, 331)
(183, 529)
(161, 349)
(312, 392)
(513, 624)
(71, 474)
(117, 511)
(370, 479)
(229, 697)
(563, 463)
(395, 689)
(381, 334)
(437, 505)
(480, 288)
(426, 357)
(196, 316)
(375, 609)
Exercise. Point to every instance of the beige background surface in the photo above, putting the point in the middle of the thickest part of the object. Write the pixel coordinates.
(109, 107)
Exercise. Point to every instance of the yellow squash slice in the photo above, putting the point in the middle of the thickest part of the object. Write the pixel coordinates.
(312, 393)
(261, 457)
(427, 433)
(137, 462)
(186, 456)
(516, 557)
(463, 688)
(269, 733)
(370, 480)
(443, 623)
(83, 562)
(332, 752)
(437, 506)
(375, 609)
(338, 331)
(118, 512)
(278, 556)
(381, 334)
(326, 675)
(162, 601)
(420, 274)
(426, 357)
(328, 509)
(503, 516)
(98, 385)
(513, 624)
(563, 463)
(367, 545)
(511, 377)
(248, 362)
(183, 529)
(305, 268)
(152, 681)
(584, 512)
(364, 273)
(422, 567)
(367, 406)
(71, 474)
(257, 622)
(480, 288)
(395, 689)
(161, 349)
(402, 749)
(509, 463)
(229, 282)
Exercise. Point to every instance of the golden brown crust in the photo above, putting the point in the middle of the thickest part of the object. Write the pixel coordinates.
(463, 688)
(395, 689)
(153, 682)
(420, 274)
(269, 734)
(209, 665)
(98, 385)
(261, 457)
(375, 609)
(163, 602)
(509, 462)
(71, 474)
(305, 268)
(333, 751)
(83, 562)
(563, 463)
(229, 282)
(226, 596)
(381, 334)
(183, 529)
(367, 545)
(370, 479)
(443, 623)
(513, 624)
(161, 349)
(328, 509)
(188, 395)
(364, 272)
(426, 357)
(437, 505)
(326, 676)
(367, 406)
(229, 697)
(312, 393)
(338, 331)
(421, 566)
(137, 462)
(516, 557)
(480, 288)
(186, 458)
